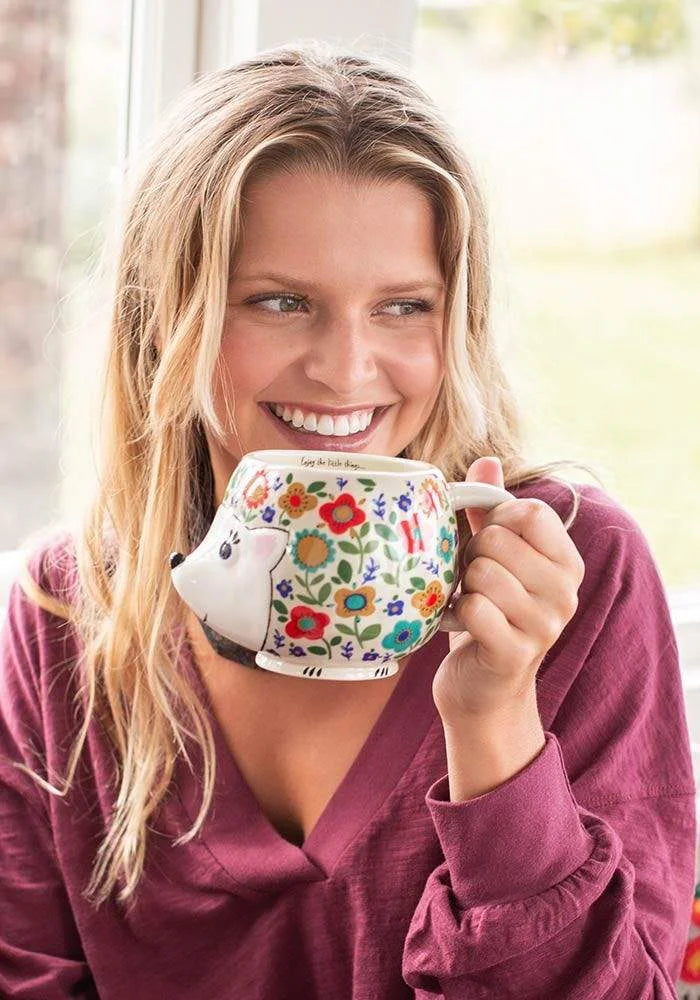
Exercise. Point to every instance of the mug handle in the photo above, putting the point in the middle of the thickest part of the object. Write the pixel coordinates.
(484, 496)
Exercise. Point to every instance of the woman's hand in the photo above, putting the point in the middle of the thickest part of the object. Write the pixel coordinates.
(518, 592)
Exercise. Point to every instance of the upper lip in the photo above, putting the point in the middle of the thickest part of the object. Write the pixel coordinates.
(315, 408)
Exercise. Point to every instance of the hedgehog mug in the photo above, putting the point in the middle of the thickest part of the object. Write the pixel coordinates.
(329, 564)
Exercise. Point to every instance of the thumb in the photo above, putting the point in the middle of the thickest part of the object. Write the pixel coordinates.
(487, 469)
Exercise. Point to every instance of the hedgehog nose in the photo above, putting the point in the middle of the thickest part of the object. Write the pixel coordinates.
(175, 559)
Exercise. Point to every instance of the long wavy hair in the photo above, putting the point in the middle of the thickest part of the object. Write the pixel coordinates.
(307, 106)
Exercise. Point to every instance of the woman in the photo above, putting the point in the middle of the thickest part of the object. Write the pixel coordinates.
(511, 814)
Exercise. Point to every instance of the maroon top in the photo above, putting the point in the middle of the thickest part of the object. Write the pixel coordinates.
(574, 878)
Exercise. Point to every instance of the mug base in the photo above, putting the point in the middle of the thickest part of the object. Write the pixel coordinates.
(315, 671)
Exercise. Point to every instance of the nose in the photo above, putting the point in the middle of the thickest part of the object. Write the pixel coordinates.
(342, 357)
(175, 559)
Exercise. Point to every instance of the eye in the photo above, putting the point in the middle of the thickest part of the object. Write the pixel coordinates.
(284, 299)
(225, 550)
(415, 305)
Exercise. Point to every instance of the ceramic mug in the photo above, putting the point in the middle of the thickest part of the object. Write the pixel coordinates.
(329, 564)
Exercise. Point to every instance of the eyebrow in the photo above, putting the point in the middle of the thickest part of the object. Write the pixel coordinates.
(287, 279)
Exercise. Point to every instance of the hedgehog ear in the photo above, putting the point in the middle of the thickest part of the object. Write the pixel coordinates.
(269, 544)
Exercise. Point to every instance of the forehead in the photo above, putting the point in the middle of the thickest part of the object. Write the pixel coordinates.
(338, 228)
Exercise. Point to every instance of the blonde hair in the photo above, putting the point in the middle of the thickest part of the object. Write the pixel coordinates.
(308, 106)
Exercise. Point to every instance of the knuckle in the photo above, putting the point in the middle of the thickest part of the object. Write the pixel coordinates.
(478, 571)
(493, 538)
(534, 509)
(552, 629)
(474, 604)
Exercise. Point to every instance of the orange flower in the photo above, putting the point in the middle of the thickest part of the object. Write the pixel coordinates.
(429, 600)
(296, 501)
(360, 601)
(256, 490)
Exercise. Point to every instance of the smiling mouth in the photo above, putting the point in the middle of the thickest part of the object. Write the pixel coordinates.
(315, 434)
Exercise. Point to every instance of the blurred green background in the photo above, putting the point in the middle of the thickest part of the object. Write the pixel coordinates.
(583, 123)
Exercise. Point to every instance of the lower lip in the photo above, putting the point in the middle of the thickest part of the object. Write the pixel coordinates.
(324, 442)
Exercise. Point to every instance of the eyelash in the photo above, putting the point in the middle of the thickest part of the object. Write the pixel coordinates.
(422, 305)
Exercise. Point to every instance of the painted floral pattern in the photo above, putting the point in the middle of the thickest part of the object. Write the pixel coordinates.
(367, 577)
(296, 501)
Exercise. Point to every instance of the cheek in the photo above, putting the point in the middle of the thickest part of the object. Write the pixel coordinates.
(243, 372)
(417, 370)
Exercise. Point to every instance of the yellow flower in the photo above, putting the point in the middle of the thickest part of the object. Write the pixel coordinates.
(296, 501)
(360, 601)
(429, 600)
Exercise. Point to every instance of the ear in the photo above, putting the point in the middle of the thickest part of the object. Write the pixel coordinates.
(268, 544)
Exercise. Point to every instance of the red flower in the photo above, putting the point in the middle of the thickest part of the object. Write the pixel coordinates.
(342, 514)
(306, 623)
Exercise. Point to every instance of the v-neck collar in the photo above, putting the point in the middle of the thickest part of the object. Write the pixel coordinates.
(238, 835)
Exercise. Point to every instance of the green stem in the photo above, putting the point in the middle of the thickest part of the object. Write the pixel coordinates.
(361, 547)
(357, 634)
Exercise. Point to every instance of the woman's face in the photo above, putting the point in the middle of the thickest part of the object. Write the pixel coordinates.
(335, 315)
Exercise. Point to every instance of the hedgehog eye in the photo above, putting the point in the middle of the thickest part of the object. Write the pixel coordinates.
(225, 550)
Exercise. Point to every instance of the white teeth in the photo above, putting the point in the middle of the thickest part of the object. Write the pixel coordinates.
(324, 423)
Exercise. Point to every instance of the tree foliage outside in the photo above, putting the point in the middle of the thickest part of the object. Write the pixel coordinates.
(639, 28)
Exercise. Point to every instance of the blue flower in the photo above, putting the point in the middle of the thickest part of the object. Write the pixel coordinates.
(405, 635)
(346, 650)
(405, 501)
(371, 571)
(394, 608)
(431, 566)
(268, 514)
(446, 545)
(379, 506)
(296, 650)
(277, 485)
(341, 482)
(370, 656)
(279, 639)
(284, 588)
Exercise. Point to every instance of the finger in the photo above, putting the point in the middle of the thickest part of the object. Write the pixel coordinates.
(539, 576)
(539, 525)
(540, 622)
(488, 626)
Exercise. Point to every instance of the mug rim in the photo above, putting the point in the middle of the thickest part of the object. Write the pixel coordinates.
(283, 458)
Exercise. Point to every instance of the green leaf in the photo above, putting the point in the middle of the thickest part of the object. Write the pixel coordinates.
(316, 486)
(364, 530)
(279, 607)
(317, 579)
(418, 582)
(336, 579)
(371, 632)
(391, 553)
(385, 532)
(300, 580)
(319, 650)
(289, 478)
(324, 592)
(371, 546)
(349, 547)
(410, 563)
(335, 640)
(367, 482)
(345, 571)
(392, 517)
(388, 578)
(345, 629)
(449, 576)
